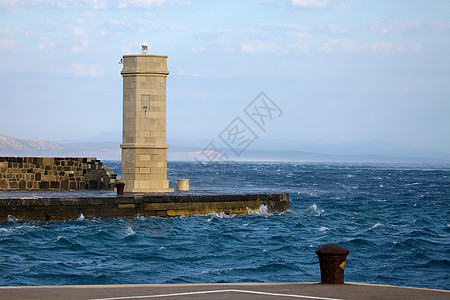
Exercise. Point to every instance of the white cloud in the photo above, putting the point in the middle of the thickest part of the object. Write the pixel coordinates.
(149, 3)
(286, 38)
(45, 44)
(220, 39)
(310, 3)
(80, 42)
(336, 29)
(440, 27)
(174, 26)
(111, 34)
(276, 38)
(357, 47)
(331, 5)
(79, 69)
(16, 32)
(275, 29)
(11, 5)
(145, 25)
(402, 27)
(77, 31)
(183, 73)
(96, 4)
(10, 36)
(195, 50)
(81, 46)
(252, 46)
(141, 25)
(114, 22)
(248, 49)
(7, 44)
(8, 5)
(140, 3)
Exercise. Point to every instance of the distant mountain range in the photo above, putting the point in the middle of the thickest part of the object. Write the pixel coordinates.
(194, 153)
(107, 147)
(10, 146)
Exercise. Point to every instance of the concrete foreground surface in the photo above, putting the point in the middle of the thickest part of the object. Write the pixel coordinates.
(291, 290)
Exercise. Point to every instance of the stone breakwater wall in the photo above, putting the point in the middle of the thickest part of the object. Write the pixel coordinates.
(55, 173)
(139, 205)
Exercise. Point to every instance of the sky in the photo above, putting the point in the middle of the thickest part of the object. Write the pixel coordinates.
(339, 71)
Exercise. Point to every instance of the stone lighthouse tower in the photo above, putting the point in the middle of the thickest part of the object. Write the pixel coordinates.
(144, 148)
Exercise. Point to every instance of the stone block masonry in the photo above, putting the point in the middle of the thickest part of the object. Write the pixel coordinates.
(55, 173)
(144, 148)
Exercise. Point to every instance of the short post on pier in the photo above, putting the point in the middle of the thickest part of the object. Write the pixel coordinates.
(183, 185)
(120, 187)
(332, 259)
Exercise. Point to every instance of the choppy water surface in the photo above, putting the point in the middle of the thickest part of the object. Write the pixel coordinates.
(394, 219)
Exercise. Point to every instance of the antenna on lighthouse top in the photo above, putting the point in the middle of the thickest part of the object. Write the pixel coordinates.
(144, 48)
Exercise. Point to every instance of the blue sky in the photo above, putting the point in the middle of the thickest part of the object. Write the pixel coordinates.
(341, 71)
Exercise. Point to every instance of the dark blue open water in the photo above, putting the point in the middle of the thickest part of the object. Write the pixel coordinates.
(394, 219)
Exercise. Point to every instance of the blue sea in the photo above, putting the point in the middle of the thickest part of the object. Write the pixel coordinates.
(394, 219)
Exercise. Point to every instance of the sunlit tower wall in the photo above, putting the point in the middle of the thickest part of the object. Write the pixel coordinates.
(144, 148)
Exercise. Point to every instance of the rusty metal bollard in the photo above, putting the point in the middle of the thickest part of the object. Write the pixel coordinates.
(120, 186)
(332, 258)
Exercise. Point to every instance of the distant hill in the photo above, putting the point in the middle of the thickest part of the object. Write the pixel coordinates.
(101, 150)
(292, 150)
(10, 146)
(196, 153)
(373, 148)
(274, 150)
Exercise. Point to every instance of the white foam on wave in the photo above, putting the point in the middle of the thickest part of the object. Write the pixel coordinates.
(129, 232)
(377, 225)
(81, 218)
(216, 271)
(12, 219)
(220, 215)
(140, 217)
(308, 193)
(263, 210)
(318, 212)
(323, 228)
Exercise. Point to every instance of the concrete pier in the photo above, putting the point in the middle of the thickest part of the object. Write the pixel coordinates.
(133, 205)
(288, 290)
